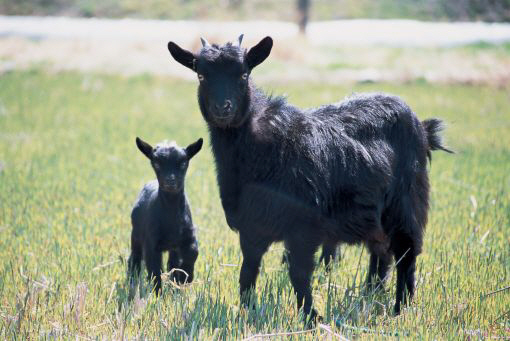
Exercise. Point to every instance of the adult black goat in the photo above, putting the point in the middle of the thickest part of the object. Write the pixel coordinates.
(350, 172)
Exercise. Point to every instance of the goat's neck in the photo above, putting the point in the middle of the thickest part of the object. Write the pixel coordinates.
(227, 146)
(172, 201)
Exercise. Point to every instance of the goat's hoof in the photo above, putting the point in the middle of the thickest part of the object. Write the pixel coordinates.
(396, 310)
(250, 306)
(313, 318)
(181, 278)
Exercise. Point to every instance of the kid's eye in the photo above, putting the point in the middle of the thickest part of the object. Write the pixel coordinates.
(200, 77)
(183, 166)
(156, 166)
(244, 76)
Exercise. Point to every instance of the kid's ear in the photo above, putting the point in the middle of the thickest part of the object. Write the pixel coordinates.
(184, 57)
(194, 148)
(144, 147)
(258, 53)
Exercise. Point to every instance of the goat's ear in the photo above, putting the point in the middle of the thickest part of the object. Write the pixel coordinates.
(194, 148)
(258, 53)
(184, 57)
(144, 147)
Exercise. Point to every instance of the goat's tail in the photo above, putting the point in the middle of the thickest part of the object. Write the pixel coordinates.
(433, 128)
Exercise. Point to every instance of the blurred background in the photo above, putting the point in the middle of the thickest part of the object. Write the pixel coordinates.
(330, 41)
(443, 10)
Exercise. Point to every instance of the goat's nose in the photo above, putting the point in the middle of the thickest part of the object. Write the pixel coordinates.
(227, 105)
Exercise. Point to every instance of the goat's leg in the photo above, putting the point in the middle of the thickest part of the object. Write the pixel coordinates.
(134, 267)
(174, 260)
(328, 253)
(153, 261)
(377, 271)
(301, 265)
(189, 253)
(134, 261)
(406, 242)
(253, 250)
(405, 256)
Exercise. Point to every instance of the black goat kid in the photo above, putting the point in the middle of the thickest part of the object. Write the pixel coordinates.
(351, 172)
(161, 217)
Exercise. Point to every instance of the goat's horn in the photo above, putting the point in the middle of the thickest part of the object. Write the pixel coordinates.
(205, 43)
(240, 40)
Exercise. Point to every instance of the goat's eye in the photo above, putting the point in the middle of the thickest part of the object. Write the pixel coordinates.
(183, 165)
(200, 77)
(156, 166)
(244, 76)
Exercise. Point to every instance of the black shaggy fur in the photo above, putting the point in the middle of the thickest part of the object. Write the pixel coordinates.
(161, 217)
(351, 172)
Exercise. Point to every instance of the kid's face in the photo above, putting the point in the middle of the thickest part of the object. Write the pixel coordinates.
(170, 165)
(170, 162)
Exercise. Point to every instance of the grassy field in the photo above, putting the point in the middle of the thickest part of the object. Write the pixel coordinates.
(70, 171)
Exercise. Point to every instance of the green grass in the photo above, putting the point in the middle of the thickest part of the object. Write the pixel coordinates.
(70, 171)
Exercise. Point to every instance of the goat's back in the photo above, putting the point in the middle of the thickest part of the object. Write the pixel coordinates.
(329, 157)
